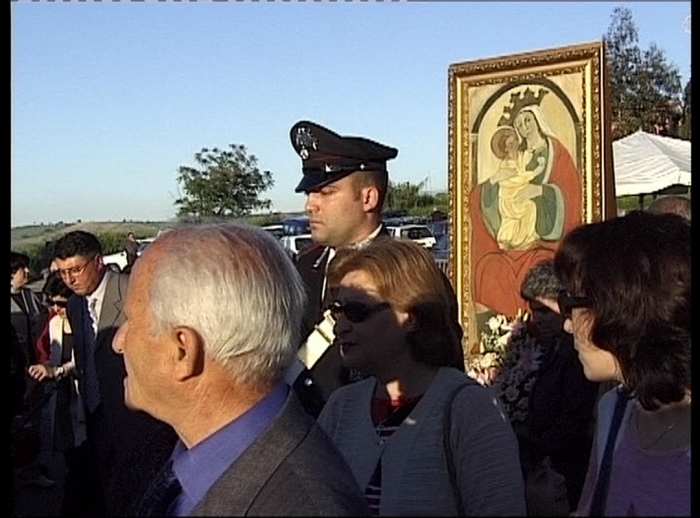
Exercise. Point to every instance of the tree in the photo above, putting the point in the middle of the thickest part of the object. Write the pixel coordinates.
(645, 90)
(227, 183)
(684, 129)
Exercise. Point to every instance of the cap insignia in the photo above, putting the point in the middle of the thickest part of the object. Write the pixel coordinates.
(305, 140)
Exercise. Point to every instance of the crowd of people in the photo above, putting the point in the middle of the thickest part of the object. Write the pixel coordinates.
(219, 377)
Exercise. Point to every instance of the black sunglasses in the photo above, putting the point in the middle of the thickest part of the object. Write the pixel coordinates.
(356, 311)
(567, 302)
(59, 303)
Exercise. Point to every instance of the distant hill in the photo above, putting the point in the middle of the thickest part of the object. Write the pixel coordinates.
(21, 237)
(29, 235)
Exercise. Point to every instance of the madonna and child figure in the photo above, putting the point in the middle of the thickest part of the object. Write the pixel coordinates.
(520, 213)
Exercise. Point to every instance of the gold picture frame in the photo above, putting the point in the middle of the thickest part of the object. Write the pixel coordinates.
(530, 157)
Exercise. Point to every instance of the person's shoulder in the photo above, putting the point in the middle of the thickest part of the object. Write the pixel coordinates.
(314, 251)
(457, 385)
(351, 393)
(308, 258)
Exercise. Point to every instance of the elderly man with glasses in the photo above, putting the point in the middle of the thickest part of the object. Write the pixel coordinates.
(95, 313)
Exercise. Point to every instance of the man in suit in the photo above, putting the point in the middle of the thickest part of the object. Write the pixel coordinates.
(131, 248)
(213, 315)
(345, 180)
(95, 313)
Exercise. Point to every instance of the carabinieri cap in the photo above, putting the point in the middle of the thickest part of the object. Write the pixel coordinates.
(327, 156)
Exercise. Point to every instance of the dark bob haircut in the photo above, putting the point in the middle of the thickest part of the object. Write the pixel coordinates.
(635, 270)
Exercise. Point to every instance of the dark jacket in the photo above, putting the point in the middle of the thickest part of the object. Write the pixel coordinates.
(291, 469)
(113, 429)
(560, 415)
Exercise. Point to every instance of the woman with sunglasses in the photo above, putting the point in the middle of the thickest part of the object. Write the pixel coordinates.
(392, 322)
(627, 304)
(62, 419)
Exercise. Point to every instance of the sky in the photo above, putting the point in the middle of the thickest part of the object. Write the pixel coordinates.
(109, 99)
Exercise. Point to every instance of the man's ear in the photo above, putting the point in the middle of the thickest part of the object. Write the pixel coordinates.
(370, 198)
(189, 353)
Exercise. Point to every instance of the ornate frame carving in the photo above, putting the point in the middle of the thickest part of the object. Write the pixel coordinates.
(482, 96)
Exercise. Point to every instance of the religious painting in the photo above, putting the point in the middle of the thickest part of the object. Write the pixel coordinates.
(529, 159)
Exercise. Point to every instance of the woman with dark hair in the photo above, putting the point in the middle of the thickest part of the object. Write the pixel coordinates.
(627, 304)
(413, 446)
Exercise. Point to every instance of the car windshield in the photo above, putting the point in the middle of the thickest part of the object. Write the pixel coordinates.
(417, 233)
(276, 232)
(303, 243)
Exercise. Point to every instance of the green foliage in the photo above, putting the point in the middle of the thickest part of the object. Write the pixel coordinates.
(685, 127)
(227, 183)
(262, 220)
(112, 242)
(410, 198)
(37, 259)
(645, 90)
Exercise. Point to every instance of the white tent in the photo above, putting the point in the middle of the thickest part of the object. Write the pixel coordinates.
(646, 163)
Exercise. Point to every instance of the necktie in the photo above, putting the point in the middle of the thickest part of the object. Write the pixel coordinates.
(161, 494)
(92, 309)
(90, 383)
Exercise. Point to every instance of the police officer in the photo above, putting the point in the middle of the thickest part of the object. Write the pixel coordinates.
(345, 180)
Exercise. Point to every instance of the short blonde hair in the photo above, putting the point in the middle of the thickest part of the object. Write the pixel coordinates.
(408, 278)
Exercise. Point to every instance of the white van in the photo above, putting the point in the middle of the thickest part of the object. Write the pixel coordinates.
(419, 233)
(294, 245)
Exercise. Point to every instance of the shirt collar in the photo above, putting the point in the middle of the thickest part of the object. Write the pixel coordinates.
(99, 292)
(366, 241)
(198, 468)
(356, 246)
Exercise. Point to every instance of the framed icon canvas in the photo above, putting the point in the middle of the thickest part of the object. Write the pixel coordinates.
(529, 159)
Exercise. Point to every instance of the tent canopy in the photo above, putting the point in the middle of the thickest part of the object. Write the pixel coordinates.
(646, 163)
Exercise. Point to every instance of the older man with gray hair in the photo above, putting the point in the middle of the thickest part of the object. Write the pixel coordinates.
(213, 318)
(674, 204)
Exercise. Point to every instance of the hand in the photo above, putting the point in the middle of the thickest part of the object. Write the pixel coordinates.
(503, 173)
(41, 372)
(527, 192)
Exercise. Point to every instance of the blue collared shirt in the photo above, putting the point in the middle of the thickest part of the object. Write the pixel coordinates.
(199, 467)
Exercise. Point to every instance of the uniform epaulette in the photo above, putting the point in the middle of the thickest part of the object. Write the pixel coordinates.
(311, 249)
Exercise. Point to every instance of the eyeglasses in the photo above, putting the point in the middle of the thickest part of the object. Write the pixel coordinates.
(567, 302)
(75, 271)
(59, 303)
(356, 311)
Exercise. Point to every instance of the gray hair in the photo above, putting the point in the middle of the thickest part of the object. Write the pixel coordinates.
(673, 204)
(541, 281)
(235, 286)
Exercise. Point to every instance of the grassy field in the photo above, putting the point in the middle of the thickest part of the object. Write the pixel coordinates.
(21, 237)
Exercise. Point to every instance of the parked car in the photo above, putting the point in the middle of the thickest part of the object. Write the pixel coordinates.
(118, 259)
(296, 226)
(419, 233)
(294, 245)
(277, 231)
